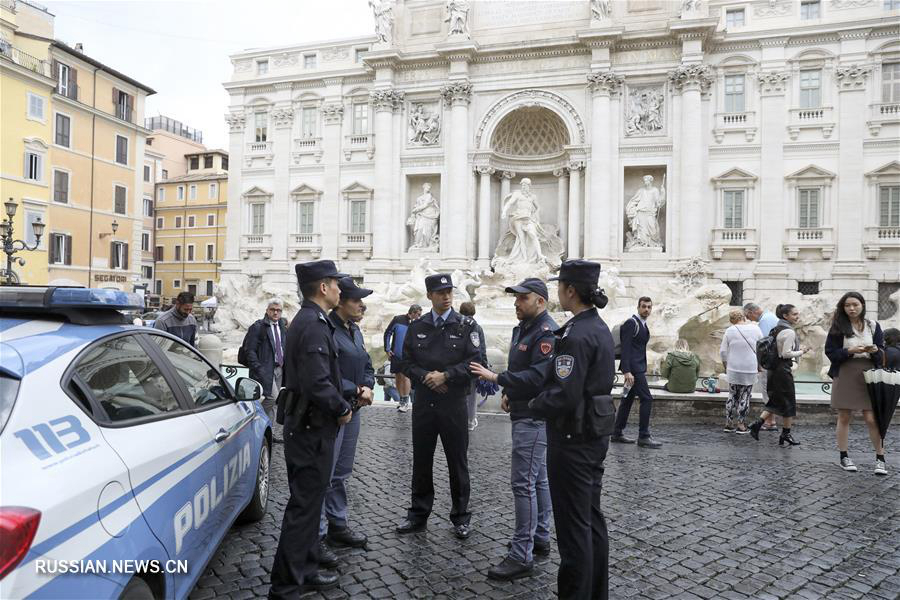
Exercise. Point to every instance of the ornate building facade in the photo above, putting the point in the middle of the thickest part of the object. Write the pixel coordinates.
(761, 136)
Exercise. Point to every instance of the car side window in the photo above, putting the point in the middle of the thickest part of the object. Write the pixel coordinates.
(125, 380)
(203, 383)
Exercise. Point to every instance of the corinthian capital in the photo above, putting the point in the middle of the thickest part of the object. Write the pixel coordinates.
(485, 170)
(606, 82)
(575, 165)
(332, 113)
(457, 92)
(235, 122)
(387, 99)
(282, 117)
(691, 77)
(772, 82)
(852, 77)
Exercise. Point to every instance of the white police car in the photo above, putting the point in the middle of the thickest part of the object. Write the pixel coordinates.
(124, 455)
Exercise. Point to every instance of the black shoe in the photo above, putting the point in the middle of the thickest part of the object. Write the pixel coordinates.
(649, 442)
(619, 438)
(327, 558)
(510, 569)
(462, 531)
(412, 526)
(541, 548)
(344, 536)
(319, 582)
(787, 438)
(754, 429)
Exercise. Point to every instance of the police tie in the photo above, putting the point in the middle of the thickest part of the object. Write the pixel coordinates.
(439, 322)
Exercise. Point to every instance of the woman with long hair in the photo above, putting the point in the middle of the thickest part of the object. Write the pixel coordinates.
(854, 344)
(780, 380)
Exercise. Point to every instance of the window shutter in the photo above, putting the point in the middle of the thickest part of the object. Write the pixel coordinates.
(112, 255)
(68, 240)
(53, 257)
(73, 83)
(115, 97)
(125, 256)
(26, 162)
(54, 68)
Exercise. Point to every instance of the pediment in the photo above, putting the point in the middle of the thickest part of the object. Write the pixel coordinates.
(357, 188)
(305, 190)
(256, 191)
(892, 169)
(735, 174)
(812, 172)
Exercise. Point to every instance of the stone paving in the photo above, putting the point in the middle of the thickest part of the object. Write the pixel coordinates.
(711, 515)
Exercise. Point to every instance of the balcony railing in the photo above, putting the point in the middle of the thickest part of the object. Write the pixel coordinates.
(363, 141)
(70, 91)
(256, 242)
(259, 147)
(880, 238)
(883, 114)
(356, 242)
(306, 146)
(815, 238)
(811, 118)
(743, 239)
(735, 121)
(305, 242)
(126, 113)
(23, 59)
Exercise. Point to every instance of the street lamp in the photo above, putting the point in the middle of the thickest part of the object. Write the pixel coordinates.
(115, 228)
(12, 246)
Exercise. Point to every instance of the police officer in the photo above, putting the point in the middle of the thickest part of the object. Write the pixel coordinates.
(437, 351)
(577, 404)
(313, 374)
(530, 356)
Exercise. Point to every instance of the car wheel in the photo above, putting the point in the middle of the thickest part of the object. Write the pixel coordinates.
(137, 589)
(257, 507)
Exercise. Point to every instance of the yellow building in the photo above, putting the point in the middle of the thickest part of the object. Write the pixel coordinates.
(190, 226)
(26, 116)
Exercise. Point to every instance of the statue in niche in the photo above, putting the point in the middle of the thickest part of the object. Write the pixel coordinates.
(425, 127)
(645, 112)
(642, 212)
(458, 17)
(526, 241)
(424, 220)
(384, 20)
(600, 10)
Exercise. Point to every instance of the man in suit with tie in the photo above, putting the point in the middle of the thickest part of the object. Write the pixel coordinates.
(634, 335)
(264, 344)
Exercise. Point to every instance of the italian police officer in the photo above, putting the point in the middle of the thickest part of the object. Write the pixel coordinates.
(437, 351)
(579, 410)
(313, 409)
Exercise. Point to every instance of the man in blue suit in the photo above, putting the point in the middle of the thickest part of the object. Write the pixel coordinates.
(634, 335)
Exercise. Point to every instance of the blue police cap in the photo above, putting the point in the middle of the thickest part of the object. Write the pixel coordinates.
(438, 281)
(351, 291)
(530, 285)
(316, 270)
(578, 271)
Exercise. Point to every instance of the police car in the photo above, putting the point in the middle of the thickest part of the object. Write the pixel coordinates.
(124, 455)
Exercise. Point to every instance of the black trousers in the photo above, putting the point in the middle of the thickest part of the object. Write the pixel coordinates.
(641, 389)
(445, 418)
(309, 454)
(575, 470)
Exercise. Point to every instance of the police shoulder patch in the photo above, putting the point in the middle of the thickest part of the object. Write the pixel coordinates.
(475, 341)
(546, 347)
(565, 364)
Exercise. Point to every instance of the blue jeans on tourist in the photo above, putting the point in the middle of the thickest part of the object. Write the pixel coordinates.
(334, 509)
(530, 489)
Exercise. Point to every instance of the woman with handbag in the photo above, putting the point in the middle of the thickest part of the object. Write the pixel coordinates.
(738, 353)
(854, 344)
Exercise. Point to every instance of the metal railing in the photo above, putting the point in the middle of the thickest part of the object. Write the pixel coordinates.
(23, 59)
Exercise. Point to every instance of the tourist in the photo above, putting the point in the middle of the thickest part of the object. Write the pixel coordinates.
(393, 347)
(467, 309)
(681, 368)
(264, 348)
(779, 380)
(765, 320)
(853, 345)
(179, 320)
(892, 348)
(738, 353)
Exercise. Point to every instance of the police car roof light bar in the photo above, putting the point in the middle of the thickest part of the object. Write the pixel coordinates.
(30, 297)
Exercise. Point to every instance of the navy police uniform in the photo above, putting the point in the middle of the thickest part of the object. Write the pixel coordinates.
(579, 411)
(447, 347)
(311, 370)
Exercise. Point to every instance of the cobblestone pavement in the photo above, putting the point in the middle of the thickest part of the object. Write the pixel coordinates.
(711, 515)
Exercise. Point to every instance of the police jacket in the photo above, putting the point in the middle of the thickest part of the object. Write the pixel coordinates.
(311, 364)
(530, 356)
(634, 336)
(576, 399)
(354, 360)
(448, 349)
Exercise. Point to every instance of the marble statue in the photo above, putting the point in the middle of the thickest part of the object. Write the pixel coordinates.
(526, 242)
(384, 20)
(424, 220)
(458, 17)
(425, 127)
(600, 10)
(642, 212)
(644, 113)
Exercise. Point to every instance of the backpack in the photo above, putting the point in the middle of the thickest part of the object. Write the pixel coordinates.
(242, 351)
(767, 349)
(617, 337)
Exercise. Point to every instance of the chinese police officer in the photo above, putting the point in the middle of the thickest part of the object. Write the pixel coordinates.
(437, 351)
(312, 377)
(578, 407)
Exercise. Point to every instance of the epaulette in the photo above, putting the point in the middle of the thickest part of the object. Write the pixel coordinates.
(468, 321)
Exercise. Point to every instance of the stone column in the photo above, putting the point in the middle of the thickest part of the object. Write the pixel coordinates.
(691, 80)
(282, 119)
(453, 214)
(505, 178)
(384, 101)
(484, 211)
(236, 122)
(851, 81)
(598, 223)
(328, 211)
(772, 87)
(562, 203)
(575, 222)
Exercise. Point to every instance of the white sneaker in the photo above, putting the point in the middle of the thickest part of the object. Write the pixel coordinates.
(404, 407)
(880, 467)
(474, 423)
(847, 465)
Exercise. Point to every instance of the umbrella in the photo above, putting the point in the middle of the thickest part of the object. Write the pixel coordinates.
(485, 388)
(884, 393)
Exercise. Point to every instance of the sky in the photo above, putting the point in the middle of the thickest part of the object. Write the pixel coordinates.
(181, 49)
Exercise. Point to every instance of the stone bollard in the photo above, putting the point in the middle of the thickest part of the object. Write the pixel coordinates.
(210, 346)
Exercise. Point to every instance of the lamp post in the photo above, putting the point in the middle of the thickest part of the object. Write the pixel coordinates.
(12, 246)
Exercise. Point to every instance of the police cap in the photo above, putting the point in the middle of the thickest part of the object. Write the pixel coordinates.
(438, 281)
(578, 271)
(351, 291)
(528, 286)
(316, 270)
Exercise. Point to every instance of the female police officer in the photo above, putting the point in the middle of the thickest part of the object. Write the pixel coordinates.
(579, 411)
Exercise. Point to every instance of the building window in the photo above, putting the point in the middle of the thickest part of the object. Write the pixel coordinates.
(889, 206)
(809, 208)
(147, 173)
(309, 61)
(147, 272)
(262, 67)
(165, 173)
(64, 79)
(211, 220)
(157, 287)
(145, 241)
(357, 216)
(160, 254)
(308, 122)
(191, 221)
(148, 207)
(734, 209)
(177, 222)
(209, 287)
(178, 253)
(63, 130)
(124, 105)
(808, 288)
(192, 289)
(195, 163)
(193, 193)
(180, 192)
(36, 107)
(734, 93)
(118, 255)
(262, 129)
(811, 88)
(891, 4)
(176, 284)
(161, 194)
(360, 118)
(160, 223)
(890, 82)
(257, 218)
(358, 54)
(734, 18)
(208, 161)
(809, 9)
(213, 191)
(210, 252)
(224, 163)
(60, 249)
(121, 203)
(61, 187)
(121, 150)
(306, 210)
(34, 166)
(737, 292)
(886, 308)
(190, 253)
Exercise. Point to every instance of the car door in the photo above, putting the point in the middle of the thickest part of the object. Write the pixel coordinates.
(170, 454)
(230, 422)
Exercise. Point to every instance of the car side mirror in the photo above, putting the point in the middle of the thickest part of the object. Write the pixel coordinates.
(247, 390)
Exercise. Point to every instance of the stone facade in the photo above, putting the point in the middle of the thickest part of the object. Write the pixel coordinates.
(776, 135)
